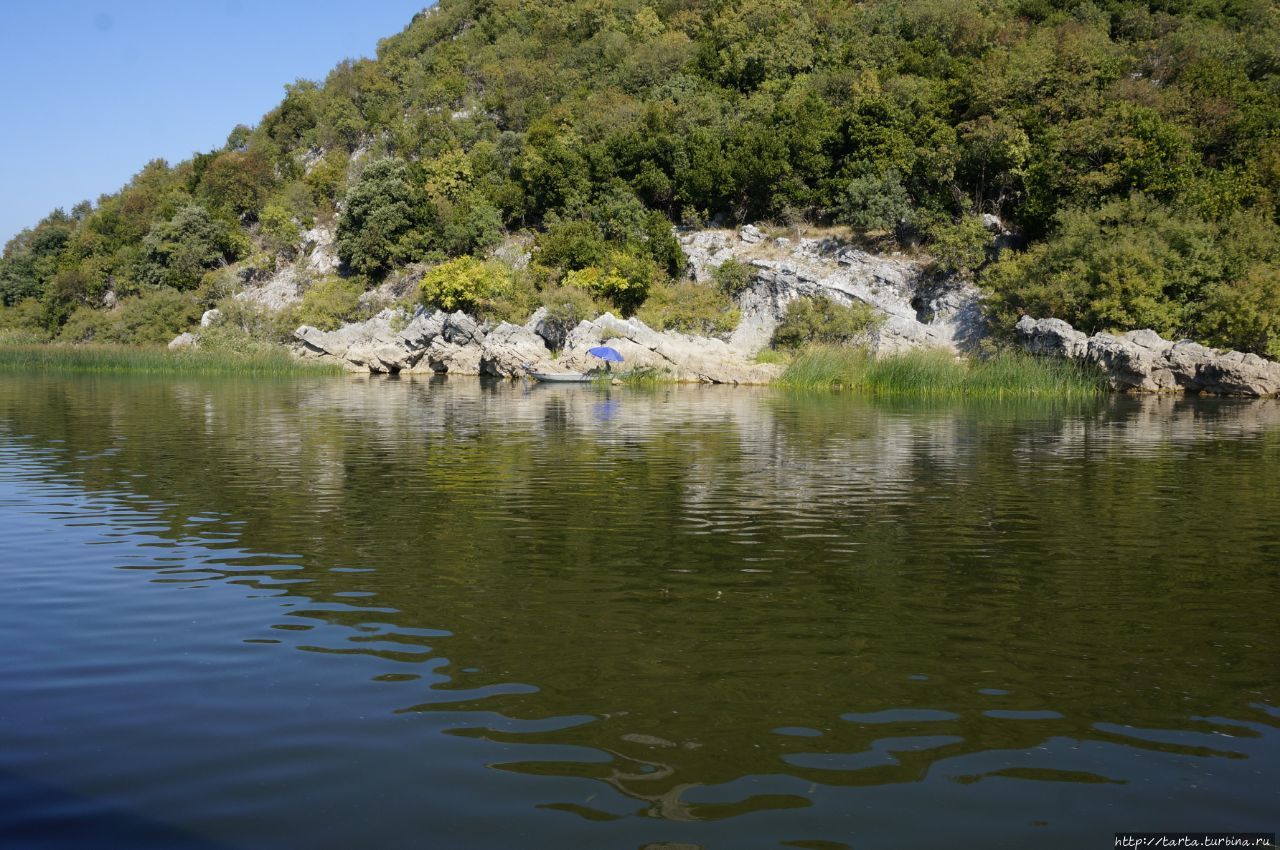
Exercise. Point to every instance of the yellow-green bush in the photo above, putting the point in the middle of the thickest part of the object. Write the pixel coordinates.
(24, 321)
(732, 277)
(330, 302)
(467, 284)
(623, 280)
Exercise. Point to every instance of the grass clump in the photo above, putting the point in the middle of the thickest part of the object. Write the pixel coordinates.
(153, 360)
(640, 376)
(936, 373)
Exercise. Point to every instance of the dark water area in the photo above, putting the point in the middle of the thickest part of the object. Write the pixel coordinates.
(427, 614)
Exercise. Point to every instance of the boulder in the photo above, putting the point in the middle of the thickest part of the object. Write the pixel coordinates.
(508, 351)
(1051, 338)
(461, 329)
(553, 331)
(1143, 361)
(184, 341)
(210, 318)
(1131, 365)
(445, 356)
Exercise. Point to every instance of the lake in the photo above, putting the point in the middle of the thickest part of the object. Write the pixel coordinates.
(354, 612)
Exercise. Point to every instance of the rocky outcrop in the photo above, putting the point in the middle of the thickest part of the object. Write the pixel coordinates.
(680, 357)
(320, 255)
(374, 345)
(508, 351)
(1143, 361)
(394, 342)
(916, 309)
(282, 289)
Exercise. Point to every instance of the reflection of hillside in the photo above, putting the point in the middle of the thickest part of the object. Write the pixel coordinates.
(691, 569)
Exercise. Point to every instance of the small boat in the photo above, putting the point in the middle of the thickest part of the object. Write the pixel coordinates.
(562, 377)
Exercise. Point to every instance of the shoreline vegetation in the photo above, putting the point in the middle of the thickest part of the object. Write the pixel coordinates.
(147, 360)
(923, 374)
(938, 374)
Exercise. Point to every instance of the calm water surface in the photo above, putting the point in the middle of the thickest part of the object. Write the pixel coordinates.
(411, 614)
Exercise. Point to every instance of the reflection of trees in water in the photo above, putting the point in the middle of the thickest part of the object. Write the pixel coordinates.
(701, 567)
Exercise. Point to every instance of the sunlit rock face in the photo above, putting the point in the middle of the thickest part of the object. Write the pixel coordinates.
(916, 308)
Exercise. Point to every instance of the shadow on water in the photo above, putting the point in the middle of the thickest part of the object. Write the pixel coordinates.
(749, 610)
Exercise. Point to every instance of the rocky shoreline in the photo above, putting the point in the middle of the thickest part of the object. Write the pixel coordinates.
(1144, 362)
(455, 343)
(916, 309)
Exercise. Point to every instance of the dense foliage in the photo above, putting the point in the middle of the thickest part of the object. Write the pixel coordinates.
(1135, 148)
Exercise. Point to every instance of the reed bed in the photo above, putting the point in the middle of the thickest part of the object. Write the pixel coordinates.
(939, 374)
(125, 359)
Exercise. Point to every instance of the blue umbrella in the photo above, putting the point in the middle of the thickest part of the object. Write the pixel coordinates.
(604, 352)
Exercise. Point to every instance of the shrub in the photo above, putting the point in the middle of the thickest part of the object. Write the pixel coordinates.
(244, 319)
(517, 301)
(470, 225)
(1134, 263)
(327, 178)
(155, 317)
(821, 320)
(89, 325)
(467, 284)
(959, 247)
(733, 277)
(623, 280)
(570, 305)
(279, 233)
(689, 308)
(236, 182)
(25, 318)
(329, 303)
(874, 202)
(1245, 314)
(572, 245)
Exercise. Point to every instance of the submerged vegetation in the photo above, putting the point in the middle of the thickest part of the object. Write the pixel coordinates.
(1132, 149)
(939, 374)
(155, 360)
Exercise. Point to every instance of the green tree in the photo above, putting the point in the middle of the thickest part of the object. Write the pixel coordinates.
(236, 182)
(386, 220)
(177, 253)
(874, 202)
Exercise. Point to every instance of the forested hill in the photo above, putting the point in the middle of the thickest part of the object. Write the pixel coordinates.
(1134, 146)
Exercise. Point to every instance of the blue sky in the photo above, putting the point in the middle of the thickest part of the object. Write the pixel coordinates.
(92, 91)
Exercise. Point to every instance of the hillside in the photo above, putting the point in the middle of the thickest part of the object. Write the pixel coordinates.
(1130, 150)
